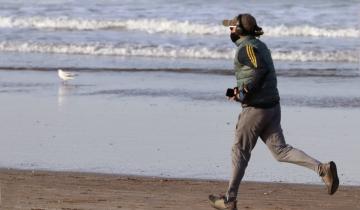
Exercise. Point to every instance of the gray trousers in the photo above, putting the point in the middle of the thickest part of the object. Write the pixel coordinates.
(263, 123)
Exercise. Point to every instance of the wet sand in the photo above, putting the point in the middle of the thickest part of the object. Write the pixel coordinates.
(73, 190)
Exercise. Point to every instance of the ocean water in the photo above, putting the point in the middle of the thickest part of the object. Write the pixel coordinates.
(174, 34)
(149, 96)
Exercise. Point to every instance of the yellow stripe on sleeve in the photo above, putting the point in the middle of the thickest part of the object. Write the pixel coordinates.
(248, 53)
(251, 55)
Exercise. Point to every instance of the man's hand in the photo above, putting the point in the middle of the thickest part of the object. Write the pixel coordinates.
(236, 95)
(239, 95)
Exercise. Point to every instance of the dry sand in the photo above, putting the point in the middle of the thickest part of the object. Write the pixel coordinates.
(69, 191)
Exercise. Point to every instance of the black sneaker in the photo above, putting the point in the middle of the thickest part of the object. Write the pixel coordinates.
(220, 202)
(328, 173)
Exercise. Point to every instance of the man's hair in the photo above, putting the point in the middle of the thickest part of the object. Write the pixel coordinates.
(248, 25)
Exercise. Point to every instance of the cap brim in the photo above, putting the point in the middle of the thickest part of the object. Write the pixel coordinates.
(232, 22)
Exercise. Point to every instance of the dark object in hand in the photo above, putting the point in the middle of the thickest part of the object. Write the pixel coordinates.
(230, 92)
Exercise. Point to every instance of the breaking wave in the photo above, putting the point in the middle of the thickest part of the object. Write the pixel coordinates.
(165, 26)
(99, 49)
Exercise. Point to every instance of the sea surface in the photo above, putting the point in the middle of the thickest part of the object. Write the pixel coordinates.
(149, 95)
(175, 34)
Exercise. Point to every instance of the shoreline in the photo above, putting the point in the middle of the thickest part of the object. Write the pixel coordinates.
(39, 189)
(154, 177)
(281, 72)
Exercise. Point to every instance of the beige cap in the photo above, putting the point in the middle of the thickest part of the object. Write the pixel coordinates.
(232, 22)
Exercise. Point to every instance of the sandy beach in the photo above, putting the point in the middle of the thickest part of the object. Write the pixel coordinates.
(145, 123)
(21, 189)
(102, 124)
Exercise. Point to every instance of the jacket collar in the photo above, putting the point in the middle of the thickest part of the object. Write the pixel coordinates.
(243, 39)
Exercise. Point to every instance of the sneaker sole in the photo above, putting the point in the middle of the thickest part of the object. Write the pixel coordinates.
(335, 184)
(212, 205)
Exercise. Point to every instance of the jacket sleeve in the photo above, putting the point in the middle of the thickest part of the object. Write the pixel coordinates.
(250, 57)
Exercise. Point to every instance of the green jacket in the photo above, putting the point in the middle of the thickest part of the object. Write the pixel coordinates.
(255, 73)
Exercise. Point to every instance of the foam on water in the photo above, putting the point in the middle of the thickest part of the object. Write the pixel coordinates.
(165, 26)
(169, 51)
(299, 55)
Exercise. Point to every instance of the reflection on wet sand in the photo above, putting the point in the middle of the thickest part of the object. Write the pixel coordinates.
(64, 91)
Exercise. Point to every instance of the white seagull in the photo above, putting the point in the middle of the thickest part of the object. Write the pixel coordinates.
(65, 75)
